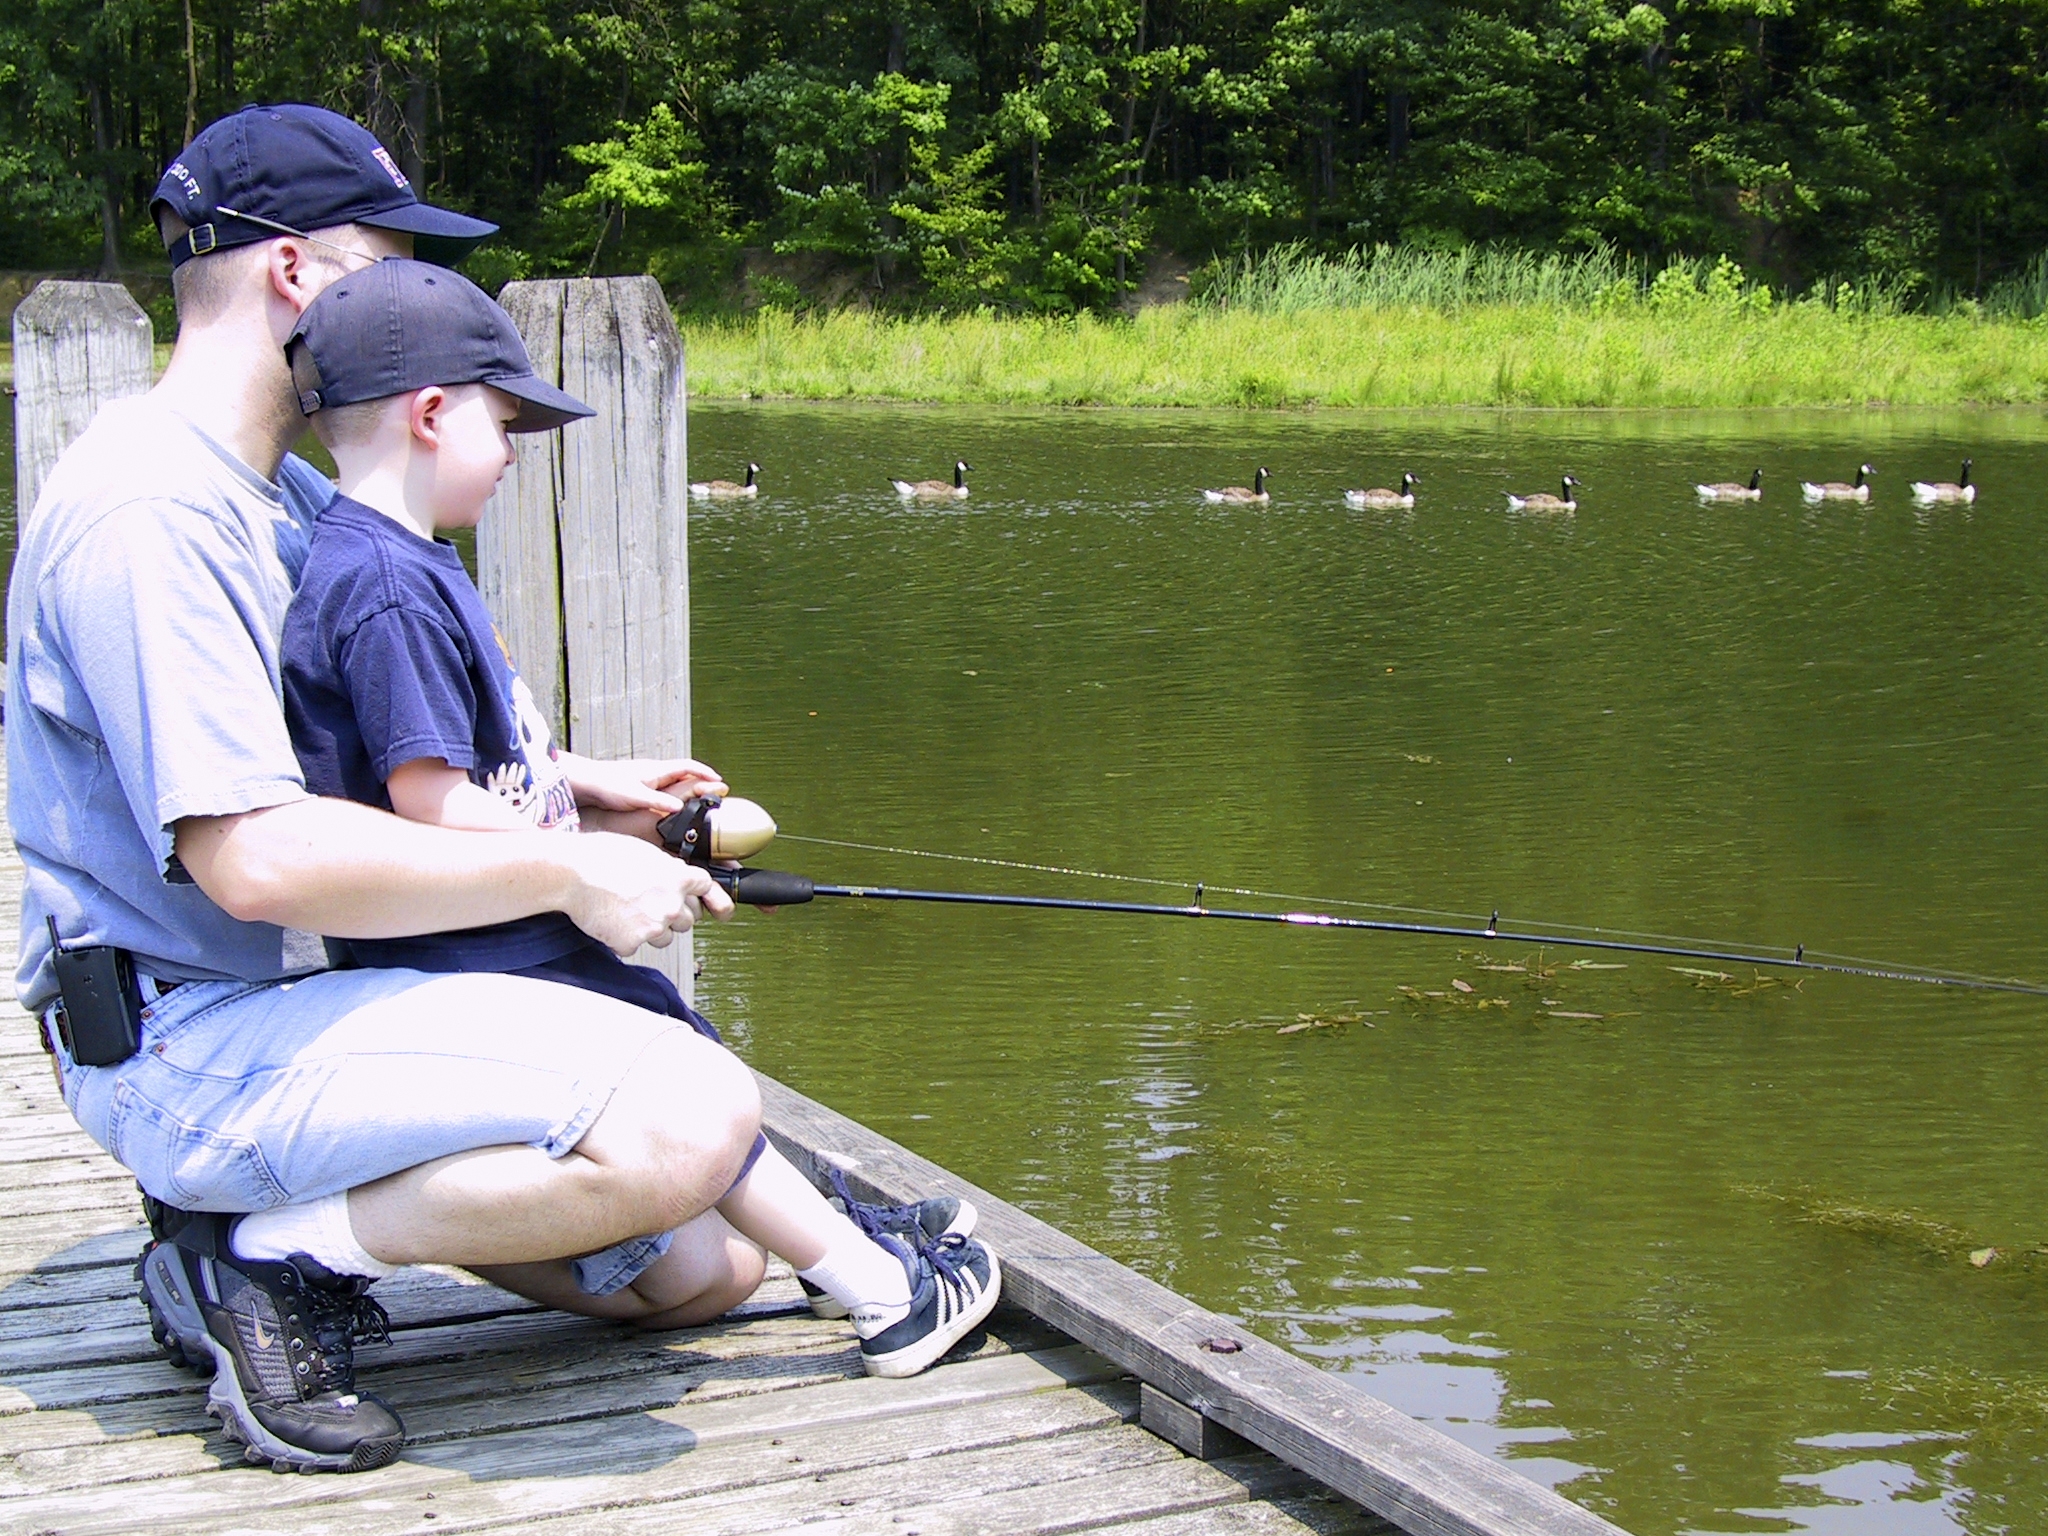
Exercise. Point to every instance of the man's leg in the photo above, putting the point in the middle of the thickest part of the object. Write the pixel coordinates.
(467, 1108)
(665, 1147)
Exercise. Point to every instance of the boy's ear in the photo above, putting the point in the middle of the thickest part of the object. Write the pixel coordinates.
(425, 414)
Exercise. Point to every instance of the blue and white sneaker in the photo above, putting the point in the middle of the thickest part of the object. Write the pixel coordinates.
(954, 1282)
(924, 1220)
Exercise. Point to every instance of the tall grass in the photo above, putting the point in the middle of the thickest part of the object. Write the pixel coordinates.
(1292, 280)
(1696, 352)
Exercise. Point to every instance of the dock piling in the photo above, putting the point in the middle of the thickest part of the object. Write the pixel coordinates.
(583, 554)
(76, 346)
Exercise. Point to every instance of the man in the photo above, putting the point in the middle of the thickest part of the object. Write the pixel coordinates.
(371, 1118)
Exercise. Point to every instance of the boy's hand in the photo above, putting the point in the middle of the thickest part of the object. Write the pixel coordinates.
(657, 785)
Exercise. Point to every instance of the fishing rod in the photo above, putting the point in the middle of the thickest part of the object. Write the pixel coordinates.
(709, 832)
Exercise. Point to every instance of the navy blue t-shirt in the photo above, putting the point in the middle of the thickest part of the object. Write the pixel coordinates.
(389, 655)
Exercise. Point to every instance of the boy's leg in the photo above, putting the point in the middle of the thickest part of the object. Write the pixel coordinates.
(708, 1270)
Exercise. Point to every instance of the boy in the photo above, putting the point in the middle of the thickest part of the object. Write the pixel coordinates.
(399, 694)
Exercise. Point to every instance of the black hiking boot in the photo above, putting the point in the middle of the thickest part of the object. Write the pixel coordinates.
(281, 1336)
(168, 1292)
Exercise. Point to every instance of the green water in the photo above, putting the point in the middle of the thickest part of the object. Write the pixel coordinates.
(1587, 1245)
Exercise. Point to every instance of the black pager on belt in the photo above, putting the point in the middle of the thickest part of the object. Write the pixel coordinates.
(100, 1016)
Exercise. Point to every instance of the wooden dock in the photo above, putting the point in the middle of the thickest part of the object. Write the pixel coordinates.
(522, 1418)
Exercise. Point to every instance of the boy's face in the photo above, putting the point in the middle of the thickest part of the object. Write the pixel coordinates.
(472, 452)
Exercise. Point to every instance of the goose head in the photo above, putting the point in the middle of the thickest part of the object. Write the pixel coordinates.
(1259, 481)
(1408, 482)
(1863, 473)
(960, 468)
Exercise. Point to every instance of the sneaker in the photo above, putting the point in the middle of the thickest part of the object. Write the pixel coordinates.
(954, 1282)
(924, 1220)
(281, 1336)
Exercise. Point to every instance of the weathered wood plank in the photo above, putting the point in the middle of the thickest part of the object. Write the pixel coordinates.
(1416, 1476)
(1309, 1516)
(617, 1461)
(767, 1381)
(1172, 1487)
(76, 346)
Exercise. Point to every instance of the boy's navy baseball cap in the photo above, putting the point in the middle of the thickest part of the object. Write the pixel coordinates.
(288, 169)
(402, 325)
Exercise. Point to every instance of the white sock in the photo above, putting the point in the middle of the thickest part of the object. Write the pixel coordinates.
(865, 1278)
(317, 1228)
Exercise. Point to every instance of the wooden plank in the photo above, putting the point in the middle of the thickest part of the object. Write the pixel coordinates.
(1414, 1475)
(608, 1463)
(1097, 1457)
(45, 1453)
(76, 346)
(1325, 1515)
(1174, 1487)
(1187, 1428)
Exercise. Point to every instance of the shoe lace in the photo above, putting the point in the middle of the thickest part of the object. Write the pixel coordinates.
(338, 1320)
(946, 1254)
(873, 1220)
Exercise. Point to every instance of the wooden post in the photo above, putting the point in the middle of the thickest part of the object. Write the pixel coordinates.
(583, 555)
(76, 346)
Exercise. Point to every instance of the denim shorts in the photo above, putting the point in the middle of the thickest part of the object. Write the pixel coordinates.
(247, 1096)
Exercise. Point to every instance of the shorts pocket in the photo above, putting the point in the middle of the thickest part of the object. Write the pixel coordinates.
(187, 1165)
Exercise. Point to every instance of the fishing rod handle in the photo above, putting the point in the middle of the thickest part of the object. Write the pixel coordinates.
(763, 887)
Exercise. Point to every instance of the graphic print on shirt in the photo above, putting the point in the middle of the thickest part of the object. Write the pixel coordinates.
(531, 780)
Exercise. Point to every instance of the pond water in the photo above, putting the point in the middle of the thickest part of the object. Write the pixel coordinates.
(1693, 1251)
(1700, 1262)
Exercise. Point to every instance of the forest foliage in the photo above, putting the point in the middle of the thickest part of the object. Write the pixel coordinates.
(1028, 154)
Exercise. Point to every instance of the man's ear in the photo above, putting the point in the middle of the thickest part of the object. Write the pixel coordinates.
(424, 414)
(291, 274)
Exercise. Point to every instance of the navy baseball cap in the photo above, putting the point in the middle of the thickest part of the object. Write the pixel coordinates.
(269, 171)
(402, 325)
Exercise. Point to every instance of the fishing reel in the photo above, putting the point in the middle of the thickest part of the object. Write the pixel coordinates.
(710, 831)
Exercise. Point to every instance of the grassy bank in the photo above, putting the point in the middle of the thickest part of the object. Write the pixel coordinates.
(1694, 355)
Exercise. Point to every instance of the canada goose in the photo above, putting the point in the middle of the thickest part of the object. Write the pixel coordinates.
(1380, 497)
(1729, 490)
(1543, 501)
(1239, 493)
(726, 487)
(921, 490)
(1947, 490)
(1835, 490)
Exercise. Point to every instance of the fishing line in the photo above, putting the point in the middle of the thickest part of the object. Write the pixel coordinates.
(1462, 925)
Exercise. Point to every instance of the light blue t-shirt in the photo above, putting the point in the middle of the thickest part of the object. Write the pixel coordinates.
(143, 622)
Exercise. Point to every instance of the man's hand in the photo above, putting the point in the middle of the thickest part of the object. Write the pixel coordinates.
(629, 894)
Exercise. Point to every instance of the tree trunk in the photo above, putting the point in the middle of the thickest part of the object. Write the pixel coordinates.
(110, 198)
(191, 79)
(380, 113)
(1397, 126)
(412, 148)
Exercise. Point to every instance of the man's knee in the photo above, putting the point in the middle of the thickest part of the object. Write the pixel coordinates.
(680, 1126)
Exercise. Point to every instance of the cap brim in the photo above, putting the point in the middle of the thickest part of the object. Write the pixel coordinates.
(542, 407)
(439, 235)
